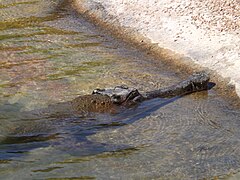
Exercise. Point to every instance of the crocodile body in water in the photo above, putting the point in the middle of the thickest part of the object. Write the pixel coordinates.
(112, 100)
(87, 114)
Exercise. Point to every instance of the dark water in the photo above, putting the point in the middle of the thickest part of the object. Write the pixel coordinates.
(48, 55)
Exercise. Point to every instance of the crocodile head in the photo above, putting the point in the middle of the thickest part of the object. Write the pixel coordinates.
(120, 94)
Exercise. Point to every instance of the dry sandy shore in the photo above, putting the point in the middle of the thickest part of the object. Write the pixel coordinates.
(206, 32)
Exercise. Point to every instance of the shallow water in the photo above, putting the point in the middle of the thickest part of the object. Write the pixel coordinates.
(51, 55)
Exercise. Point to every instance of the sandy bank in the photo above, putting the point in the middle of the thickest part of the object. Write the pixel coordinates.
(205, 33)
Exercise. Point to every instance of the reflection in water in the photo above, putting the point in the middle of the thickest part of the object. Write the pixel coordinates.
(49, 55)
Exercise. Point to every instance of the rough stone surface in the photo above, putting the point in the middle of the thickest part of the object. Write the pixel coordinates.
(208, 32)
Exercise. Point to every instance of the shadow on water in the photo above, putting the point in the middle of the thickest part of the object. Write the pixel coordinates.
(43, 131)
(36, 131)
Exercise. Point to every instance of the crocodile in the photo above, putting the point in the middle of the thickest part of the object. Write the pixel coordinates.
(112, 100)
(122, 95)
(53, 122)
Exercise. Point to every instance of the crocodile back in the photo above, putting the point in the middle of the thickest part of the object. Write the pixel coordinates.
(94, 103)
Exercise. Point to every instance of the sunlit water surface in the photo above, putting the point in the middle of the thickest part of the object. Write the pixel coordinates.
(49, 55)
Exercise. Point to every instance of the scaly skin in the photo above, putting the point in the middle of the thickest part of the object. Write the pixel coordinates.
(112, 100)
(196, 82)
(80, 106)
(93, 103)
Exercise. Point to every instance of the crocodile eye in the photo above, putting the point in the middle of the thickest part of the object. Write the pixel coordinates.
(116, 98)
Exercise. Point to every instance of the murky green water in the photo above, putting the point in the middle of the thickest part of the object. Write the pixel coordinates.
(49, 55)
